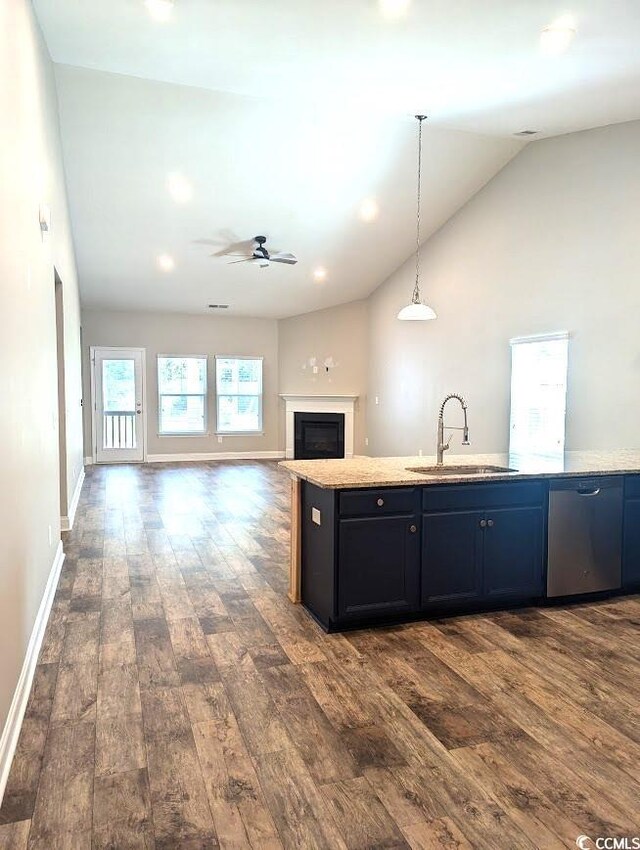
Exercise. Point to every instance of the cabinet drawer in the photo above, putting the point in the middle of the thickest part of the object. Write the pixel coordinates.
(441, 497)
(632, 486)
(401, 500)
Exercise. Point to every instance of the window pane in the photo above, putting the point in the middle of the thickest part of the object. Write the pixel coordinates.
(227, 376)
(239, 392)
(239, 375)
(118, 385)
(181, 414)
(182, 375)
(238, 413)
(538, 398)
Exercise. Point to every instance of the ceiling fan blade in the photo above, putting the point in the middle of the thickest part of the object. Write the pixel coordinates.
(289, 259)
(243, 247)
(243, 260)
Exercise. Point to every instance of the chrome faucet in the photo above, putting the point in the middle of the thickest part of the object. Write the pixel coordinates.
(442, 446)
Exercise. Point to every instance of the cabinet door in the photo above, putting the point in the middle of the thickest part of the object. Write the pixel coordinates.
(631, 544)
(378, 566)
(513, 552)
(451, 556)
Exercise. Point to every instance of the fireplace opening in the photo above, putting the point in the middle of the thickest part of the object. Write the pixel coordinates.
(318, 435)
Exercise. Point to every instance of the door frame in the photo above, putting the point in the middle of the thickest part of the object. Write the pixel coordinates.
(94, 424)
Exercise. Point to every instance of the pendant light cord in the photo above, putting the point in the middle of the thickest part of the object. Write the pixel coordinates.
(416, 290)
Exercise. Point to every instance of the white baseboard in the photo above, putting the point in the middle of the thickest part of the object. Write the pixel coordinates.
(66, 522)
(11, 731)
(199, 456)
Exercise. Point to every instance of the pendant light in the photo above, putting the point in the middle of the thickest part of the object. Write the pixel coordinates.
(417, 311)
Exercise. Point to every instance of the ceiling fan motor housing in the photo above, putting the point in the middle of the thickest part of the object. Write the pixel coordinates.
(261, 251)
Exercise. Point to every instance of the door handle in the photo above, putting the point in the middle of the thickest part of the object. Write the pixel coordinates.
(483, 523)
(380, 503)
(413, 528)
(490, 523)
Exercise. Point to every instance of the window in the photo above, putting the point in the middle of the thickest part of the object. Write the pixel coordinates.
(239, 394)
(538, 398)
(182, 390)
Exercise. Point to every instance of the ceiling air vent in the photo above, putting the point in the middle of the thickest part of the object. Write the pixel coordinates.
(527, 133)
(218, 306)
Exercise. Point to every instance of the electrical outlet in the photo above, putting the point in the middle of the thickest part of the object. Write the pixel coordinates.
(419, 452)
(219, 439)
(366, 441)
(377, 400)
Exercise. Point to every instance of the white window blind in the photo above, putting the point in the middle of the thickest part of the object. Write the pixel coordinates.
(239, 394)
(538, 398)
(182, 391)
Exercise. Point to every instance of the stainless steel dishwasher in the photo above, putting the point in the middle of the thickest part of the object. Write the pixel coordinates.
(585, 535)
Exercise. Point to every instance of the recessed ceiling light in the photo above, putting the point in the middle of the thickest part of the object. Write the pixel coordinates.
(166, 263)
(320, 274)
(394, 8)
(218, 306)
(557, 37)
(369, 210)
(179, 187)
(160, 10)
(527, 133)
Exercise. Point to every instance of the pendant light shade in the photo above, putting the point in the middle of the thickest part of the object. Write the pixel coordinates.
(417, 313)
(416, 310)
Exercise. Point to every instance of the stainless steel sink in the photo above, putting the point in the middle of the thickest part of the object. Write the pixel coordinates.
(460, 470)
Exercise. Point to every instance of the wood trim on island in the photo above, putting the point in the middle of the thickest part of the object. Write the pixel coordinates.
(295, 566)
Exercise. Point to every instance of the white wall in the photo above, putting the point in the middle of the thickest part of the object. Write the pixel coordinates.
(551, 243)
(31, 173)
(338, 332)
(179, 333)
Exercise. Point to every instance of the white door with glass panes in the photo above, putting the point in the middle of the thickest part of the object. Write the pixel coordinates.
(117, 384)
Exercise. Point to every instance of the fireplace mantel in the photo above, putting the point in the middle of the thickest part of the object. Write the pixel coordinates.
(319, 404)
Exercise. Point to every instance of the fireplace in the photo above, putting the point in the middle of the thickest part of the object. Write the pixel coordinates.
(313, 404)
(318, 435)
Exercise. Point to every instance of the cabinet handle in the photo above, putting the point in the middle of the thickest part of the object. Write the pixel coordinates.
(490, 523)
(483, 523)
(413, 528)
(380, 503)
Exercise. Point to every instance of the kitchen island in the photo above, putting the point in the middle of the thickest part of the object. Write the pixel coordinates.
(393, 539)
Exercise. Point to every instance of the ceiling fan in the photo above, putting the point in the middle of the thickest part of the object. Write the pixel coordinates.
(261, 257)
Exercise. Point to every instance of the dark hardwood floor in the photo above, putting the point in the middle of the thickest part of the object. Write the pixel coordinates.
(181, 701)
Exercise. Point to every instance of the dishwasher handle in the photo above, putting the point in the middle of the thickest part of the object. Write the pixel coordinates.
(591, 492)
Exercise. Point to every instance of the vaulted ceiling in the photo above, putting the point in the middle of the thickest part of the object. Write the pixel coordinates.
(283, 117)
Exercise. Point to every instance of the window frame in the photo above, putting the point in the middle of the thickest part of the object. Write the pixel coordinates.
(204, 395)
(559, 336)
(260, 430)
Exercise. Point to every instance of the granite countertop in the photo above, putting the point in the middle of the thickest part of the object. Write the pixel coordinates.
(362, 471)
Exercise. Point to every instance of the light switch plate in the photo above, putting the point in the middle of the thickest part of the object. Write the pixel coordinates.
(316, 516)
